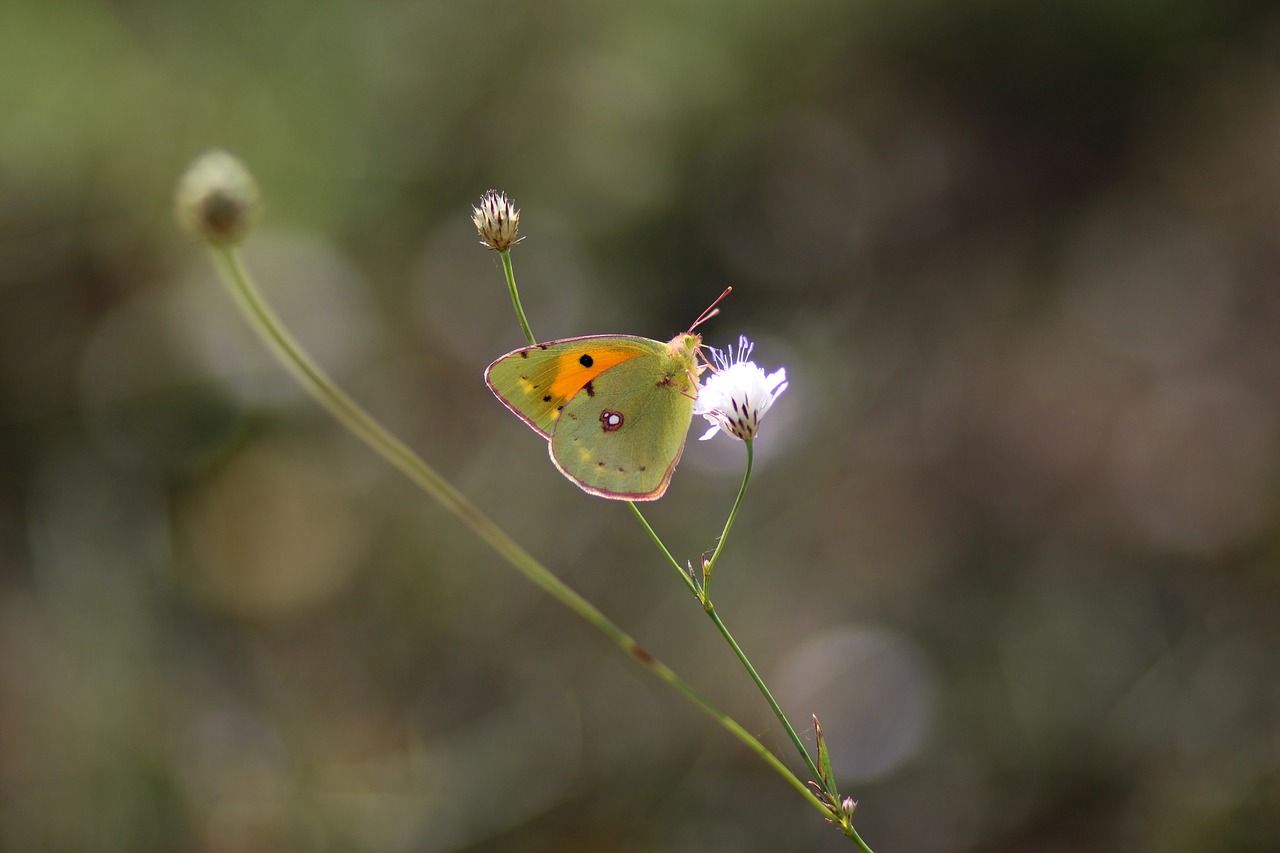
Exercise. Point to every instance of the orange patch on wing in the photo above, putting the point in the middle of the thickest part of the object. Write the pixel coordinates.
(572, 374)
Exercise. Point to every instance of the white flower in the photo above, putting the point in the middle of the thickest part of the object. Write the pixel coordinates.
(738, 394)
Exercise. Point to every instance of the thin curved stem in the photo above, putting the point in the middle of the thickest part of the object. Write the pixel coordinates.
(708, 565)
(703, 594)
(510, 273)
(764, 691)
(657, 540)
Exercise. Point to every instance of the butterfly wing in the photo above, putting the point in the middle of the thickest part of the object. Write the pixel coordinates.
(538, 382)
(623, 439)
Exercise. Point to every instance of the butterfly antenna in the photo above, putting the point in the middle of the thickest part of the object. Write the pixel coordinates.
(711, 311)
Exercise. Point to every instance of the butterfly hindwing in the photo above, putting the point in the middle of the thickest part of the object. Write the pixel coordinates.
(537, 382)
(623, 439)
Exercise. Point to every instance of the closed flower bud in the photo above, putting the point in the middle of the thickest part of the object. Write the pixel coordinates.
(497, 220)
(217, 198)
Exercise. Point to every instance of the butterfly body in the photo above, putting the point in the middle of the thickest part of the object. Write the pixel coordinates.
(615, 409)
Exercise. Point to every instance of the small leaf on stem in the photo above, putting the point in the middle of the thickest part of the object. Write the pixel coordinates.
(824, 763)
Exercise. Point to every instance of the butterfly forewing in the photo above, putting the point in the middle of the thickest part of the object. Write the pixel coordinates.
(537, 382)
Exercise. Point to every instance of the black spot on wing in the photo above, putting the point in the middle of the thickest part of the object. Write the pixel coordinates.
(586, 360)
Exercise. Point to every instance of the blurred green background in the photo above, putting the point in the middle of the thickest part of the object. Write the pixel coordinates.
(1013, 529)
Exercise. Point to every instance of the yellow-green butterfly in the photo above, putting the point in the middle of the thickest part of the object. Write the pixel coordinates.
(615, 409)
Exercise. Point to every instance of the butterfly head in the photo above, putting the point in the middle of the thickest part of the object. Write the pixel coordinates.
(683, 350)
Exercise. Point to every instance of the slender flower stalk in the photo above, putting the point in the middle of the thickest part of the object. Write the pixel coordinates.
(709, 564)
(510, 273)
(837, 811)
(703, 594)
(686, 576)
(764, 690)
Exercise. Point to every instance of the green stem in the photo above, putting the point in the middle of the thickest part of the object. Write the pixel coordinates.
(653, 534)
(733, 644)
(510, 273)
(708, 565)
(350, 414)
(710, 608)
(703, 595)
(764, 691)
(724, 631)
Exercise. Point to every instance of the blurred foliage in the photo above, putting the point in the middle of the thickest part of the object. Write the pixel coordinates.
(1013, 532)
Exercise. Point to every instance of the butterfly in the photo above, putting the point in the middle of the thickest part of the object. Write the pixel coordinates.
(615, 409)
